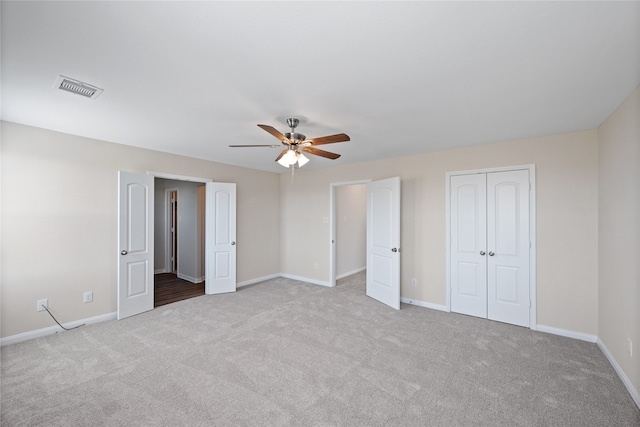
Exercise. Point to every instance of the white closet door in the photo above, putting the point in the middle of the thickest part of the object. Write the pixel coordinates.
(508, 247)
(468, 244)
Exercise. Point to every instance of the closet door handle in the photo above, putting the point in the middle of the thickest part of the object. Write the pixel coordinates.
(233, 243)
(491, 253)
(482, 253)
(123, 252)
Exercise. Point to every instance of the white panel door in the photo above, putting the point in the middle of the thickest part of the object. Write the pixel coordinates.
(383, 241)
(220, 239)
(135, 244)
(508, 247)
(468, 244)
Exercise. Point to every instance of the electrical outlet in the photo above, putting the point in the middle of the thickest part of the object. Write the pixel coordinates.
(88, 296)
(414, 283)
(630, 347)
(41, 303)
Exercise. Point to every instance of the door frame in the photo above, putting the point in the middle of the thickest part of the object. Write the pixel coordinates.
(533, 325)
(333, 224)
(168, 238)
(152, 201)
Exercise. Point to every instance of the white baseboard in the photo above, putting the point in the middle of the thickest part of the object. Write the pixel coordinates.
(189, 278)
(625, 380)
(257, 280)
(160, 271)
(349, 273)
(565, 333)
(305, 279)
(26, 336)
(419, 303)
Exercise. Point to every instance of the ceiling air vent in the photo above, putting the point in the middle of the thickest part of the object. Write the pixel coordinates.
(78, 87)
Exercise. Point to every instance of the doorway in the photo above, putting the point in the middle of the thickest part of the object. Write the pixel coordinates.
(382, 251)
(348, 224)
(179, 249)
(137, 239)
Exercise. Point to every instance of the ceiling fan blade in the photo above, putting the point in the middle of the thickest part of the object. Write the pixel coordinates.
(282, 154)
(273, 131)
(320, 153)
(340, 137)
(264, 145)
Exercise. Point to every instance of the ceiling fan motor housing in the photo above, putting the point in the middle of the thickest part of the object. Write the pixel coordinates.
(295, 137)
(292, 123)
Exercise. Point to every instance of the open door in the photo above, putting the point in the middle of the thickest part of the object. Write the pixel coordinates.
(220, 239)
(383, 241)
(135, 243)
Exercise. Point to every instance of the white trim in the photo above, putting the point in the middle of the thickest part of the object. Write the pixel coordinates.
(533, 319)
(332, 226)
(178, 177)
(569, 334)
(424, 304)
(447, 239)
(257, 280)
(533, 325)
(162, 270)
(167, 229)
(625, 380)
(189, 278)
(305, 279)
(26, 336)
(349, 273)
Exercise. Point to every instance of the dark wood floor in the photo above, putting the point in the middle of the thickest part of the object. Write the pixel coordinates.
(169, 288)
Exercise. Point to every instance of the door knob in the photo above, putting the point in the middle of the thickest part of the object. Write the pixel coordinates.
(394, 249)
(491, 253)
(123, 252)
(233, 243)
(482, 252)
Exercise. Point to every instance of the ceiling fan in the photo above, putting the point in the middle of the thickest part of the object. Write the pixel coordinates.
(297, 144)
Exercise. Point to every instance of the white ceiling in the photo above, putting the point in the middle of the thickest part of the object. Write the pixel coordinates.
(399, 78)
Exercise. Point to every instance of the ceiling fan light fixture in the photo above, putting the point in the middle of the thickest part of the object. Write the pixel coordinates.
(288, 159)
(302, 159)
(291, 157)
(283, 161)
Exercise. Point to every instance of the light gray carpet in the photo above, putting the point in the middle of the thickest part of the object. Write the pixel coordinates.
(287, 353)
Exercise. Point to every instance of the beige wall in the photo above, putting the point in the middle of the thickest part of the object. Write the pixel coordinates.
(59, 221)
(566, 169)
(59, 195)
(619, 235)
